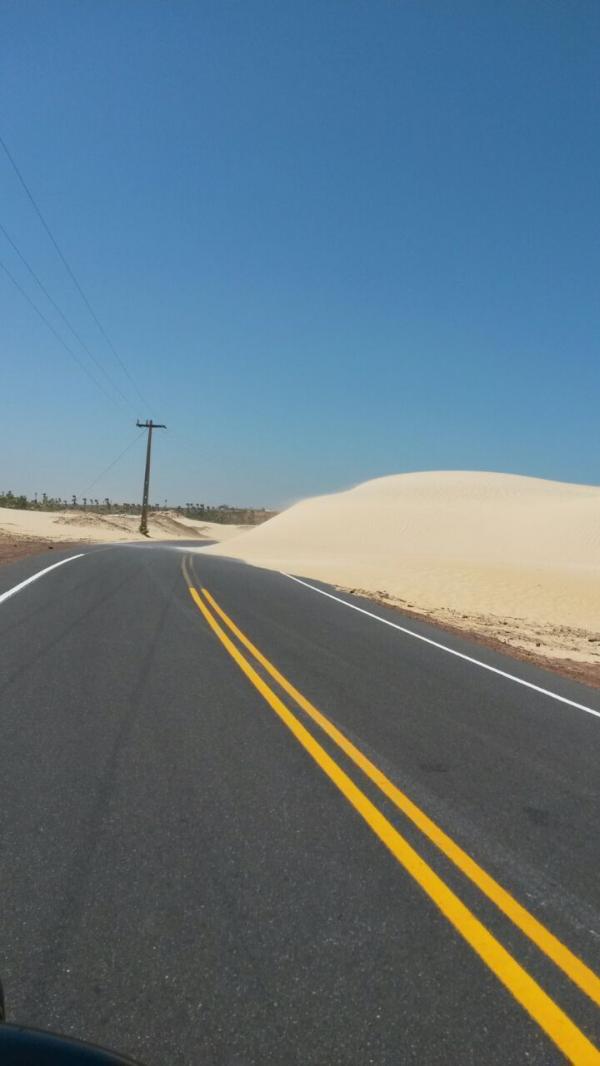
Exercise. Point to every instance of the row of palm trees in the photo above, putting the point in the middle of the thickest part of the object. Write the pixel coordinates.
(43, 502)
(204, 512)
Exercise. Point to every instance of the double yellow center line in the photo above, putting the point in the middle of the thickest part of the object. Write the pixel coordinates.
(552, 1019)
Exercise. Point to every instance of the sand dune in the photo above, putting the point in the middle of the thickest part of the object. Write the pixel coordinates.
(99, 528)
(514, 558)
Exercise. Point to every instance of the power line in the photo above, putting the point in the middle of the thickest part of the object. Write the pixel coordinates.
(114, 462)
(69, 270)
(60, 340)
(63, 316)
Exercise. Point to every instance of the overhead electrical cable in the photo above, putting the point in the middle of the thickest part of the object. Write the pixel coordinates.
(114, 462)
(58, 337)
(69, 269)
(72, 329)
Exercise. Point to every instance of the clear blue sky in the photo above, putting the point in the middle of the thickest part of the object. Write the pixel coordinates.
(331, 240)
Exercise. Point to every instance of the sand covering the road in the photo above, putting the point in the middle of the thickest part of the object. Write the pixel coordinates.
(515, 559)
(87, 526)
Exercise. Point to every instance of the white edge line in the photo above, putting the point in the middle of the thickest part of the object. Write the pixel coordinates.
(444, 647)
(17, 588)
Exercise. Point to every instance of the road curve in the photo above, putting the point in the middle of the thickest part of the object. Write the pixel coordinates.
(242, 823)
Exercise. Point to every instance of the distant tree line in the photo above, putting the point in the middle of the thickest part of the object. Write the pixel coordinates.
(235, 516)
(202, 512)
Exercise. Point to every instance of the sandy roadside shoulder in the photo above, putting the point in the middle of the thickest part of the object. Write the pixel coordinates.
(573, 653)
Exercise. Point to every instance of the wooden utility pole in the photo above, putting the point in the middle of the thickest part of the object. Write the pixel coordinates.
(149, 425)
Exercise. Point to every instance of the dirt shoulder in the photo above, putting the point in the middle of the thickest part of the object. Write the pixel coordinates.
(14, 548)
(587, 673)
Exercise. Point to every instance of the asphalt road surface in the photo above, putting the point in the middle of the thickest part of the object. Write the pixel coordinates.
(255, 825)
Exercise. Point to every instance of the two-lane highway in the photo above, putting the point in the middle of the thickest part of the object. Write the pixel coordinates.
(243, 822)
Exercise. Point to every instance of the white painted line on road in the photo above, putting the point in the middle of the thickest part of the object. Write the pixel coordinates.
(444, 647)
(17, 588)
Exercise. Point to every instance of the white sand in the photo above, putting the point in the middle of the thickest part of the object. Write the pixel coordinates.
(98, 528)
(516, 558)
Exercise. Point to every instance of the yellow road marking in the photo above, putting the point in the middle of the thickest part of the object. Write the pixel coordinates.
(549, 1016)
(185, 571)
(570, 964)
